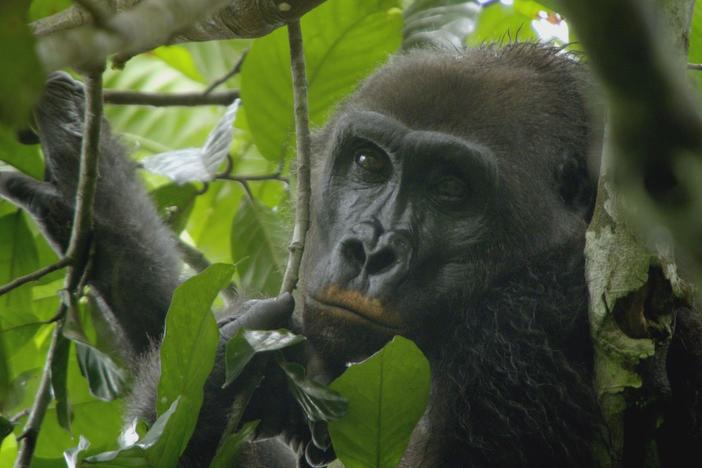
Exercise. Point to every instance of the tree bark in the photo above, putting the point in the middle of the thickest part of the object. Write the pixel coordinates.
(73, 38)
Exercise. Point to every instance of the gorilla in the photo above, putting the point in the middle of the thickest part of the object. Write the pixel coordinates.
(451, 194)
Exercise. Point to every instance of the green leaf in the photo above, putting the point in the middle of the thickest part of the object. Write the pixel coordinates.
(318, 402)
(179, 58)
(106, 379)
(153, 130)
(188, 352)
(230, 446)
(18, 256)
(24, 158)
(387, 395)
(22, 82)
(344, 41)
(59, 376)
(6, 428)
(242, 347)
(174, 203)
(258, 240)
(148, 452)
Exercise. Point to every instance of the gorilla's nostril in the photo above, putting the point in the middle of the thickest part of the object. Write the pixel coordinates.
(381, 261)
(354, 251)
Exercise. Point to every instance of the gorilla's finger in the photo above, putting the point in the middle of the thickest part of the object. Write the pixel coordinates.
(22, 190)
(268, 313)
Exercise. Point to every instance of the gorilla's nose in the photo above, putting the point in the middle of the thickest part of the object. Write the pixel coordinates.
(375, 253)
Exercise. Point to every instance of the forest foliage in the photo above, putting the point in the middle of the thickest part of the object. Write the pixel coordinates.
(239, 213)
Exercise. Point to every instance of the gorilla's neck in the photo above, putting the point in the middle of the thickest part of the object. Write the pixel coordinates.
(506, 392)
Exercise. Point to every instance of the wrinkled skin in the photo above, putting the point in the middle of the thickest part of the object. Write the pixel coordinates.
(451, 194)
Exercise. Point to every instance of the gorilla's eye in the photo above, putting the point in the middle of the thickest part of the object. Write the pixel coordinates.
(450, 188)
(372, 160)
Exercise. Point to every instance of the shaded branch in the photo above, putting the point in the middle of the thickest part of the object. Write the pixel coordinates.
(694, 66)
(113, 96)
(17, 282)
(78, 250)
(69, 38)
(304, 149)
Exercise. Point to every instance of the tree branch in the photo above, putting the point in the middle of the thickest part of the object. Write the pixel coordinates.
(304, 148)
(17, 282)
(113, 96)
(234, 71)
(69, 39)
(694, 66)
(78, 250)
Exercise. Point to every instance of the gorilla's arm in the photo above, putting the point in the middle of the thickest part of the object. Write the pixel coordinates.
(135, 266)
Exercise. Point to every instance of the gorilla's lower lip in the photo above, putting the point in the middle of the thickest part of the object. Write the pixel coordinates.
(347, 313)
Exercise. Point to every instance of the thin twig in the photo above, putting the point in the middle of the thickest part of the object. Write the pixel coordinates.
(225, 98)
(78, 249)
(302, 134)
(235, 70)
(198, 262)
(694, 66)
(253, 178)
(28, 439)
(15, 419)
(35, 275)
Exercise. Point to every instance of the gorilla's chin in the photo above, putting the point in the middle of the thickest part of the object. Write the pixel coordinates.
(342, 335)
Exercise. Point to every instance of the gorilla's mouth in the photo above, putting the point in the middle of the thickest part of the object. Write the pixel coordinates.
(354, 306)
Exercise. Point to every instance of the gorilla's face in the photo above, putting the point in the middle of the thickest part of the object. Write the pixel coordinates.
(419, 205)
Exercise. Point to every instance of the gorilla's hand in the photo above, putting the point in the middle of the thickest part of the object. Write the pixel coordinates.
(135, 263)
(59, 118)
(272, 402)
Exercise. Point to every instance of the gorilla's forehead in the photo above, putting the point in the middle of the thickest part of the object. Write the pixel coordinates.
(509, 99)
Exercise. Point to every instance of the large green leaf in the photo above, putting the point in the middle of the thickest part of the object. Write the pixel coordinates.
(154, 130)
(24, 158)
(23, 77)
(344, 41)
(387, 395)
(258, 241)
(148, 452)
(230, 447)
(188, 352)
(18, 256)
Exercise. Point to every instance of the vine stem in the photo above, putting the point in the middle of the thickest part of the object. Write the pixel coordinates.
(78, 250)
(304, 148)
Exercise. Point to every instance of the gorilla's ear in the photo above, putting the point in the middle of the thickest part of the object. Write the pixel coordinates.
(577, 186)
